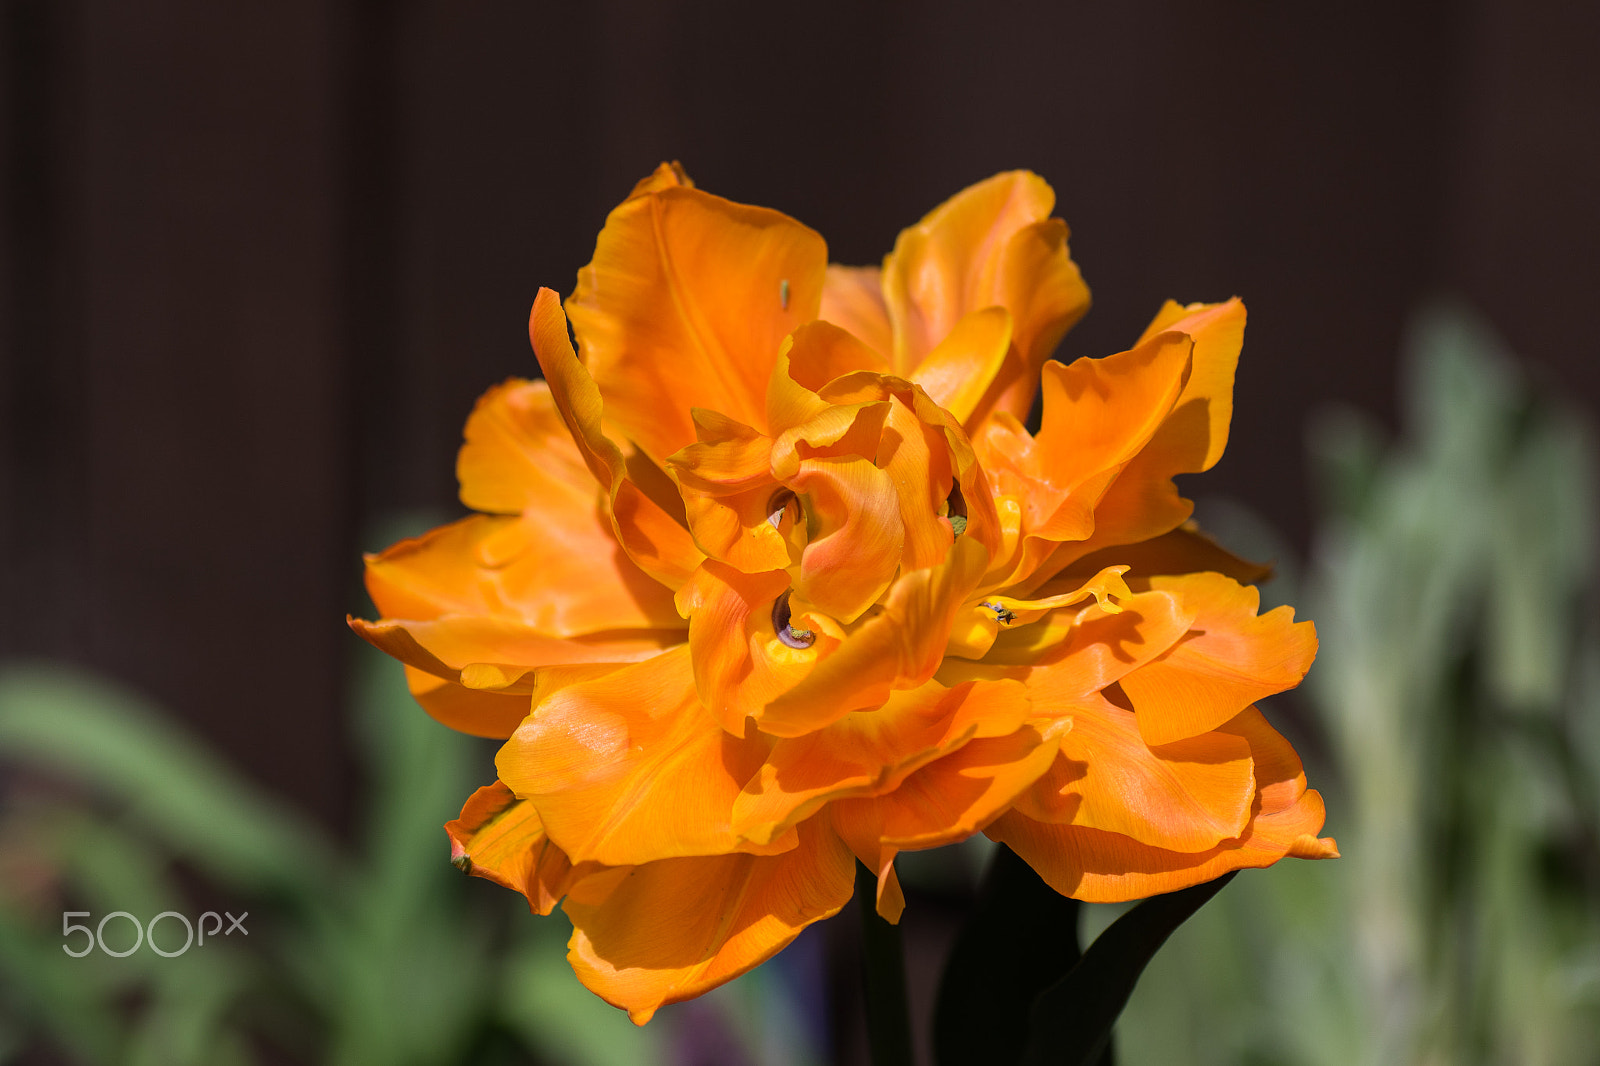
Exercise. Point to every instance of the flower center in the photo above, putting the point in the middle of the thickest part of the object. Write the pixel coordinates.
(795, 638)
(779, 506)
(956, 508)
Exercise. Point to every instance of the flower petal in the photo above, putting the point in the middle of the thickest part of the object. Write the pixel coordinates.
(740, 662)
(685, 304)
(500, 838)
(867, 752)
(518, 454)
(520, 568)
(1102, 867)
(852, 299)
(671, 930)
(1229, 659)
(959, 370)
(948, 264)
(471, 711)
(629, 768)
(955, 796)
(1186, 796)
(899, 647)
(856, 535)
(814, 355)
(656, 542)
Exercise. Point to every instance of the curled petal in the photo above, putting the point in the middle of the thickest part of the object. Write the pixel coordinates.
(1185, 796)
(855, 537)
(653, 538)
(518, 454)
(1185, 550)
(685, 304)
(1074, 652)
(671, 930)
(955, 796)
(471, 711)
(852, 298)
(814, 355)
(1227, 660)
(899, 647)
(961, 367)
(629, 768)
(949, 264)
(867, 752)
(1103, 867)
(500, 838)
(740, 661)
(518, 568)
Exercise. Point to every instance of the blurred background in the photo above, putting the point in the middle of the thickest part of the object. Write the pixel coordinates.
(257, 261)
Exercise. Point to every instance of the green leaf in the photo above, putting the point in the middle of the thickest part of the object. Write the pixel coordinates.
(1071, 1021)
(101, 735)
(1022, 938)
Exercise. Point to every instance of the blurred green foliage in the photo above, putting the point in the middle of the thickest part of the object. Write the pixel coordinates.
(1456, 706)
(381, 954)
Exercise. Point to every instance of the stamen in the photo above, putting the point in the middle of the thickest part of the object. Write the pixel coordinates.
(956, 508)
(778, 506)
(795, 638)
(1002, 613)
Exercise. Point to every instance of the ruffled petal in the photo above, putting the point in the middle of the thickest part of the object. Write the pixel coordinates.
(740, 662)
(500, 838)
(855, 538)
(816, 354)
(656, 542)
(1228, 659)
(852, 299)
(471, 711)
(955, 796)
(949, 264)
(868, 752)
(518, 454)
(629, 768)
(1103, 867)
(685, 304)
(961, 367)
(1185, 796)
(671, 930)
(521, 568)
(898, 647)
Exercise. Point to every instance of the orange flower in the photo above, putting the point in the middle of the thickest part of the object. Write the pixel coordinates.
(773, 578)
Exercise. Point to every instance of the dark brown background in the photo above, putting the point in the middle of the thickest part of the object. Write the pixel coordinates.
(259, 258)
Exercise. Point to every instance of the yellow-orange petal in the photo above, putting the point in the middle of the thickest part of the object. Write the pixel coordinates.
(471, 711)
(1073, 652)
(521, 568)
(685, 304)
(1098, 415)
(898, 647)
(856, 537)
(814, 355)
(868, 752)
(852, 298)
(1194, 435)
(1229, 659)
(1103, 867)
(949, 264)
(656, 542)
(500, 838)
(451, 645)
(1185, 550)
(955, 796)
(958, 371)
(740, 661)
(1041, 287)
(1186, 796)
(518, 454)
(629, 768)
(672, 930)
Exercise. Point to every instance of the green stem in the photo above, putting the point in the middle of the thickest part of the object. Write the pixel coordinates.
(883, 977)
